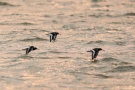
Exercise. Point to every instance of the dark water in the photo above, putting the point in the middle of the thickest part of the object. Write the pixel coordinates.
(65, 64)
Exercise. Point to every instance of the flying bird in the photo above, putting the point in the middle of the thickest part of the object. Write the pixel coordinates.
(31, 48)
(95, 52)
(53, 36)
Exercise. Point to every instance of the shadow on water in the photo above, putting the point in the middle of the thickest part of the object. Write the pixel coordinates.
(110, 59)
(25, 57)
(94, 61)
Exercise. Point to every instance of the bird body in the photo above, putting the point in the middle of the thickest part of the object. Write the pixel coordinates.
(53, 36)
(31, 48)
(95, 52)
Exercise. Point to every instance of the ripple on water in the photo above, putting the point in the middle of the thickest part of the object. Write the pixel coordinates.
(109, 59)
(5, 4)
(25, 57)
(64, 57)
(34, 39)
(97, 0)
(120, 43)
(123, 69)
(130, 14)
(102, 76)
(57, 52)
(26, 23)
(96, 42)
(69, 26)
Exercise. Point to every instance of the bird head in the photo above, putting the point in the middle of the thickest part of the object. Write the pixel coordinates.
(33, 48)
(58, 33)
(95, 49)
(99, 49)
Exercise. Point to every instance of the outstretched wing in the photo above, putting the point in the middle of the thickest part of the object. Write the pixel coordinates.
(28, 50)
(93, 53)
(51, 37)
(54, 37)
(96, 53)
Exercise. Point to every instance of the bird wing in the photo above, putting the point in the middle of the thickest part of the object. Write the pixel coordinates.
(28, 50)
(96, 53)
(51, 37)
(93, 54)
(55, 37)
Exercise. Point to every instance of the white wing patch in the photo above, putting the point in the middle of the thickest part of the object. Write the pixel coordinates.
(93, 53)
(27, 50)
(51, 36)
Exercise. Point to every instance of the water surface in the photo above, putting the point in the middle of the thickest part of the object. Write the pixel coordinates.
(65, 64)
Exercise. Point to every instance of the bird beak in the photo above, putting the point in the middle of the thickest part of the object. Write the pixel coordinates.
(38, 49)
(103, 50)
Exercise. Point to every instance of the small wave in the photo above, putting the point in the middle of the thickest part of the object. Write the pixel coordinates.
(25, 23)
(96, 16)
(109, 59)
(103, 76)
(115, 23)
(97, 0)
(57, 52)
(130, 14)
(105, 15)
(5, 4)
(70, 26)
(12, 65)
(34, 39)
(120, 43)
(93, 42)
(64, 57)
(95, 61)
(78, 73)
(55, 21)
(96, 5)
(25, 57)
(123, 69)
(47, 16)
(124, 63)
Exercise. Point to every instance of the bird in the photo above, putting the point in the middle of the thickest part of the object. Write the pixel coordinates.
(53, 36)
(31, 48)
(95, 52)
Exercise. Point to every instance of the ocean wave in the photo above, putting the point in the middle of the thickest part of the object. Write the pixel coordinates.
(34, 39)
(123, 69)
(102, 76)
(130, 14)
(26, 23)
(109, 59)
(120, 43)
(5, 4)
(98, 41)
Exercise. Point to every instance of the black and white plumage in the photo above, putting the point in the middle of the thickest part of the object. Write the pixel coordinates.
(31, 48)
(53, 36)
(95, 52)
